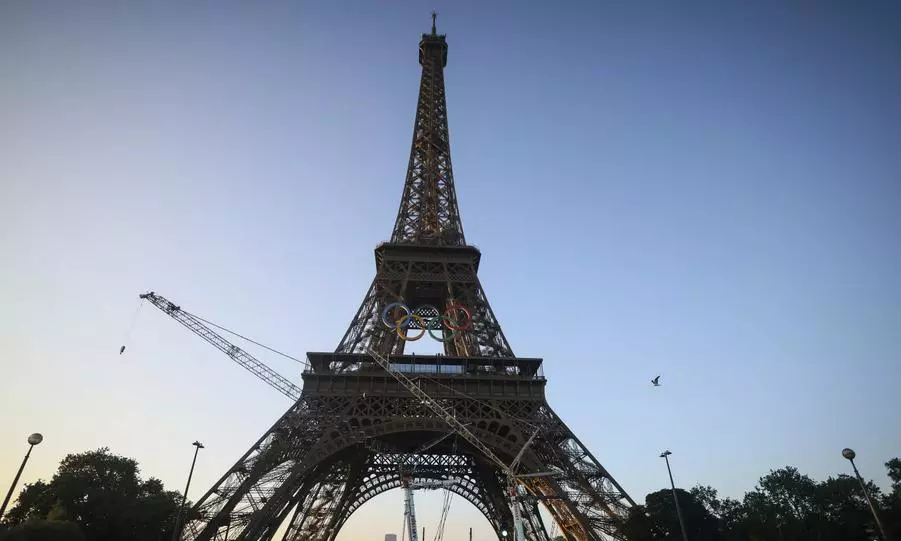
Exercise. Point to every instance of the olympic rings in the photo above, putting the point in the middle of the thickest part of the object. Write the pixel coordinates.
(426, 318)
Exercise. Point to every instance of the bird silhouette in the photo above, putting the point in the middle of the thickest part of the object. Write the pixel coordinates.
(656, 381)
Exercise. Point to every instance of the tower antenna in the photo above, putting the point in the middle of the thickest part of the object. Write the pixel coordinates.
(434, 27)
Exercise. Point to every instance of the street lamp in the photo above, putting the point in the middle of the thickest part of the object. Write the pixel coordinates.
(665, 456)
(33, 440)
(197, 447)
(850, 455)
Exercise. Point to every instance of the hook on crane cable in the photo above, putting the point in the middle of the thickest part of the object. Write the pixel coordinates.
(131, 326)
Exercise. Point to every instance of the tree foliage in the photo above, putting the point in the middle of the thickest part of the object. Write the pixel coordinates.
(102, 494)
(97, 496)
(894, 472)
(784, 505)
(892, 501)
(43, 530)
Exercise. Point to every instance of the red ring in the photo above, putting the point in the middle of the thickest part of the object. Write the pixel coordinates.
(450, 317)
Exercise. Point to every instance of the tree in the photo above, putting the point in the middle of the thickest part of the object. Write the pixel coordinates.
(785, 505)
(727, 514)
(782, 506)
(104, 495)
(892, 501)
(44, 530)
(35, 500)
(639, 526)
(843, 510)
(707, 496)
(894, 472)
(658, 519)
(732, 520)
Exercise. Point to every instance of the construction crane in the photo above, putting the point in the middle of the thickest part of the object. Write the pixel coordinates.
(201, 328)
(509, 470)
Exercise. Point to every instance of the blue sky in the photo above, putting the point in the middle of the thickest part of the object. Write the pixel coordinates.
(703, 190)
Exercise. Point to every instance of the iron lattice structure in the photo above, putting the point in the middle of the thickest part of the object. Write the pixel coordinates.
(355, 427)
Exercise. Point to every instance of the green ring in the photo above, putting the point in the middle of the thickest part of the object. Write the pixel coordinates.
(430, 328)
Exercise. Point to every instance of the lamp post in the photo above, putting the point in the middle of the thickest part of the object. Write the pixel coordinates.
(197, 447)
(665, 456)
(850, 455)
(33, 440)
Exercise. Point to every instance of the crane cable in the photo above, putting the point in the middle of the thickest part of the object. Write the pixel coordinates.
(428, 446)
(252, 341)
(131, 326)
(445, 507)
(229, 331)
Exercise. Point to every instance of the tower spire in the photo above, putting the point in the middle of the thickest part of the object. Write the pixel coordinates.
(428, 212)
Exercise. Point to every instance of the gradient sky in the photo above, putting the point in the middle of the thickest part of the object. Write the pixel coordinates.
(703, 190)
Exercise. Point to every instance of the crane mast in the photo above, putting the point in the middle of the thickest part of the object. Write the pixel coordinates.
(410, 511)
(409, 508)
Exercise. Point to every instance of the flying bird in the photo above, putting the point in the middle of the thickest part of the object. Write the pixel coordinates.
(656, 381)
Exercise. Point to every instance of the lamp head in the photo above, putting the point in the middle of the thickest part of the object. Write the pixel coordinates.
(665, 454)
(848, 453)
(35, 439)
(197, 444)
(503, 533)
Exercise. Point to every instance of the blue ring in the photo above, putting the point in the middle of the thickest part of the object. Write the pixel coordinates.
(405, 319)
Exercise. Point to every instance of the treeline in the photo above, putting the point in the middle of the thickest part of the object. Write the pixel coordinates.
(784, 506)
(94, 496)
(98, 496)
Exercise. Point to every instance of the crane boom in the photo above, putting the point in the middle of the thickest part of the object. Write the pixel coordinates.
(248, 361)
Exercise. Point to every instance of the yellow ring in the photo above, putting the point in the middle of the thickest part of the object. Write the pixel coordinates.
(422, 327)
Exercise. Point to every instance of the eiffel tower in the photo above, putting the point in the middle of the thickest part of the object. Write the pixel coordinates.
(353, 428)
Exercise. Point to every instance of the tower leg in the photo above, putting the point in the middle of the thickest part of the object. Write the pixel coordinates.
(312, 521)
(314, 459)
(246, 486)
